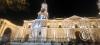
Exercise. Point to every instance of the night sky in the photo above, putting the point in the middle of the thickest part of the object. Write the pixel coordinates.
(56, 8)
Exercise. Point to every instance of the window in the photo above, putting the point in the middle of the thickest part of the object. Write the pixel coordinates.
(48, 26)
(59, 26)
(39, 33)
(76, 26)
(29, 26)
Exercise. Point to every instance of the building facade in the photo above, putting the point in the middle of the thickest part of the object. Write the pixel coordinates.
(43, 29)
(62, 30)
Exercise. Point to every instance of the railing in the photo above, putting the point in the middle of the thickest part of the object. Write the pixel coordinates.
(36, 42)
(41, 40)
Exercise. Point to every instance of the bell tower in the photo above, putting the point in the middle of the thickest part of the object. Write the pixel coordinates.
(43, 13)
(39, 25)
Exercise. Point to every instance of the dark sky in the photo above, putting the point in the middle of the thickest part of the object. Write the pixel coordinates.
(60, 8)
(56, 8)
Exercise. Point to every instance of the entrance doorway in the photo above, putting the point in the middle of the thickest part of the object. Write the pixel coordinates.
(6, 36)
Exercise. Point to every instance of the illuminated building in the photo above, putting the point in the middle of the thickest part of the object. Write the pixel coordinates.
(53, 30)
(61, 30)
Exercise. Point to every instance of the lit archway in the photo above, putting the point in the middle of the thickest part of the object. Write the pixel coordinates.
(6, 36)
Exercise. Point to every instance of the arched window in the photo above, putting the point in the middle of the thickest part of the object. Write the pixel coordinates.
(40, 33)
(29, 26)
(59, 26)
(48, 26)
(76, 26)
